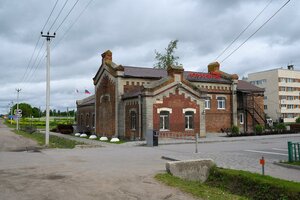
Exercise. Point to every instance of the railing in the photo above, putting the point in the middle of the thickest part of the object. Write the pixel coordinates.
(254, 109)
(294, 151)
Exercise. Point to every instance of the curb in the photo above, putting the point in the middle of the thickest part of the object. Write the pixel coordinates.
(169, 158)
(287, 165)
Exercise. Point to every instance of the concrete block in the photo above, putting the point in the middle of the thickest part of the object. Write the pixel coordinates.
(193, 170)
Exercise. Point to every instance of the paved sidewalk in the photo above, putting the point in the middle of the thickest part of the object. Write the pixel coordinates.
(210, 138)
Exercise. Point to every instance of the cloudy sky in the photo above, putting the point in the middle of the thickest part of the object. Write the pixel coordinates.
(133, 30)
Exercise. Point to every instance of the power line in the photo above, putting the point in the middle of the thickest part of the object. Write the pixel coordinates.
(22, 79)
(28, 65)
(28, 74)
(58, 15)
(239, 35)
(66, 16)
(256, 31)
(77, 18)
(49, 16)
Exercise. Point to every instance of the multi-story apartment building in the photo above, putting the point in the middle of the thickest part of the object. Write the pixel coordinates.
(282, 91)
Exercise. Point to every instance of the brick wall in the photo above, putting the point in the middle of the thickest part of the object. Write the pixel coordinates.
(177, 118)
(218, 118)
(85, 118)
(132, 133)
(105, 106)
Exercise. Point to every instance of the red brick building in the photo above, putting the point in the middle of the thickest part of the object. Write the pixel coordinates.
(131, 102)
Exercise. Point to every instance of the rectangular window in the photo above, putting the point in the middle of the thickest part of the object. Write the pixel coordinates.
(207, 103)
(266, 107)
(290, 98)
(290, 80)
(189, 120)
(164, 120)
(289, 106)
(241, 118)
(221, 102)
(289, 89)
(283, 105)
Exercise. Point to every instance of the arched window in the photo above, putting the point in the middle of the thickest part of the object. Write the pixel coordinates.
(221, 102)
(189, 120)
(164, 118)
(93, 122)
(87, 120)
(133, 120)
(81, 120)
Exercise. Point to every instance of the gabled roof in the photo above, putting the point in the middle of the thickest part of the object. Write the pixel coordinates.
(90, 100)
(244, 86)
(144, 72)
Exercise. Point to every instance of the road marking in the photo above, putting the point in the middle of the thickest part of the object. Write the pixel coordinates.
(280, 149)
(266, 152)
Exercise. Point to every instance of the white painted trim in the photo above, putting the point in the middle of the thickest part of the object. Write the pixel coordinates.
(220, 95)
(164, 109)
(189, 109)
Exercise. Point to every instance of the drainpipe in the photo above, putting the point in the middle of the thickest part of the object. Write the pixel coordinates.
(140, 117)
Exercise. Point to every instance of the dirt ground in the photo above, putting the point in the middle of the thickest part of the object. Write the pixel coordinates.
(13, 142)
(117, 172)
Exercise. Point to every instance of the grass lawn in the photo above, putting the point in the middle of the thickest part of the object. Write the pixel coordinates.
(54, 141)
(197, 189)
(236, 184)
(293, 163)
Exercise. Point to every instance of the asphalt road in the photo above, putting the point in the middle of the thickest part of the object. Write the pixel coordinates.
(125, 171)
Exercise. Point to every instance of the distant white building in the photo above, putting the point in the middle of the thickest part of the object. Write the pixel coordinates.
(282, 91)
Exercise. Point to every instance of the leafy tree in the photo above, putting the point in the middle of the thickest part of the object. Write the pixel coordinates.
(167, 59)
(36, 112)
(26, 109)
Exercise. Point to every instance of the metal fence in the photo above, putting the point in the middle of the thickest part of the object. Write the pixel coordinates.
(294, 151)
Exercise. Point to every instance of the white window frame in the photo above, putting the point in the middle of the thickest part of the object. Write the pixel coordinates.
(221, 103)
(164, 117)
(187, 117)
(207, 103)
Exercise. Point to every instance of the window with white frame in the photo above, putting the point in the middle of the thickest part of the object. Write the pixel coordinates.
(221, 102)
(207, 103)
(266, 107)
(241, 118)
(133, 120)
(189, 120)
(164, 120)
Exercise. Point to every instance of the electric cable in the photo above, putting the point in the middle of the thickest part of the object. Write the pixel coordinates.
(66, 16)
(50, 15)
(58, 15)
(241, 33)
(256, 31)
(77, 18)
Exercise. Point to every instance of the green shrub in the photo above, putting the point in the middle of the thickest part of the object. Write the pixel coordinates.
(280, 127)
(259, 129)
(298, 120)
(235, 130)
